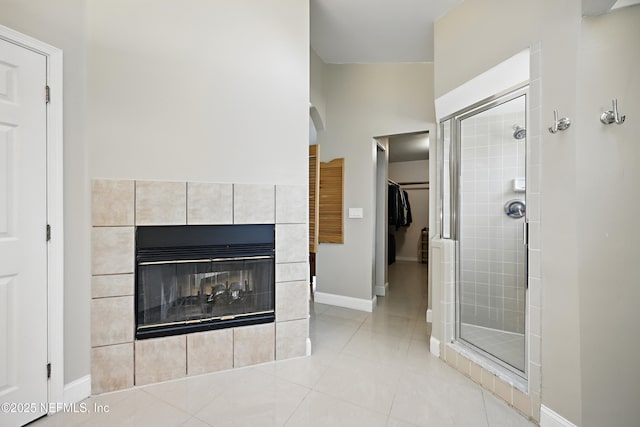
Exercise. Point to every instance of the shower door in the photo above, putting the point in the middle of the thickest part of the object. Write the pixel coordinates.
(490, 224)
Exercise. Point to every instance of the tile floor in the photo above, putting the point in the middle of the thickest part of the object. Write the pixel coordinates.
(367, 369)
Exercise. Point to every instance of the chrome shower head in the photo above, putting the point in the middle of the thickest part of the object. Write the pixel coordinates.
(519, 132)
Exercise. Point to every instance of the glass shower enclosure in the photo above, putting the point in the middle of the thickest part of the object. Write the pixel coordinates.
(484, 211)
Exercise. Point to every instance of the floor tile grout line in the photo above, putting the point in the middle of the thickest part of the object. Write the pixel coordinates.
(484, 405)
(297, 407)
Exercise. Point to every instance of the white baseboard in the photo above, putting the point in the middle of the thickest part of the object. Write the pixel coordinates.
(381, 290)
(346, 302)
(406, 258)
(429, 315)
(77, 390)
(308, 346)
(434, 346)
(550, 418)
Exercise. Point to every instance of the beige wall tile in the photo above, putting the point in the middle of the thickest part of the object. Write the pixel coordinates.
(475, 372)
(160, 359)
(114, 285)
(253, 204)
(504, 390)
(488, 380)
(462, 364)
(209, 203)
(291, 243)
(112, 202)
(292, 301)
(535, 378)
(209, 351)
(291, 204)
(112, 320)
(291, 339)
(291, 272)
(450, 356)
(161, 203)
(535, 351)
(111, 368)
(253, 344)
(522, 402)
(535, 407)
(112, 250)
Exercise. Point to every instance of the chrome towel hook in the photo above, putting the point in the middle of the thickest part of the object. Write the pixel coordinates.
(559, 124)
(612, 116)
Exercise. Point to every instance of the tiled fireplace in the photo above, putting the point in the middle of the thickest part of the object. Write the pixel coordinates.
(118, 360)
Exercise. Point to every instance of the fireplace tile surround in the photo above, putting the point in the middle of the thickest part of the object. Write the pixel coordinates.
(118, 206)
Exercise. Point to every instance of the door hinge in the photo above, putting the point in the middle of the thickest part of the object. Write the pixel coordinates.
(48, 232)
(48, 370)
(47, 94)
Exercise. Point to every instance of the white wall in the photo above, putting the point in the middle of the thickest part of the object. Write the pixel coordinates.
(408, 238)
(316, 89)
(213, 91)
(61, 23)
(365, 101)
(607, 217)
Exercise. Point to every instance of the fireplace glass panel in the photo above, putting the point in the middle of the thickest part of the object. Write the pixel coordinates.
(179, 292)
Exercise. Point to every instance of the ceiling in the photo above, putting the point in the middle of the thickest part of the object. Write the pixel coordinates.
(409, 147)
(378, 31)
(375, 31)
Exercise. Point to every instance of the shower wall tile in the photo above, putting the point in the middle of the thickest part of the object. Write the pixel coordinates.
(535, 294)
(535, 326)
(534, 349)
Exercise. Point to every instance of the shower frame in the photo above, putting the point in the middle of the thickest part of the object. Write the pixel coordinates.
(453, 232)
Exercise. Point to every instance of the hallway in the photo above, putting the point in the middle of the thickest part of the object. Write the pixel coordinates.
(367, 369)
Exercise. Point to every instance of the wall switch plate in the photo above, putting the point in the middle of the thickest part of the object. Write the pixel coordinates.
(355, 213)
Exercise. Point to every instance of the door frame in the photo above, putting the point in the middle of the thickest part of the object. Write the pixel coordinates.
(55, 248)
(456, 144)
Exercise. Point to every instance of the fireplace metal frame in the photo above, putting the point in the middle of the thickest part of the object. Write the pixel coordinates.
(203, 243)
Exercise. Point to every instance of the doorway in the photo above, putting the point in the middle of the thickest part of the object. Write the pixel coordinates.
(487, 159)
(31, 275)
(402, 219)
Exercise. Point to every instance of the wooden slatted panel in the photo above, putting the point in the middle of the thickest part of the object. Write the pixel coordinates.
(314, 191)
(331, 202)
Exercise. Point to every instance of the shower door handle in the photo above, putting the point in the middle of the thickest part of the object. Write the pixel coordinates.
(525, 233)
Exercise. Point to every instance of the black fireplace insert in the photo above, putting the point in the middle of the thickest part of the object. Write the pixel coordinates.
(200, 277)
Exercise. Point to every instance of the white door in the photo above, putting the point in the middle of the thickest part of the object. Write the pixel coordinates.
(23, 245)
